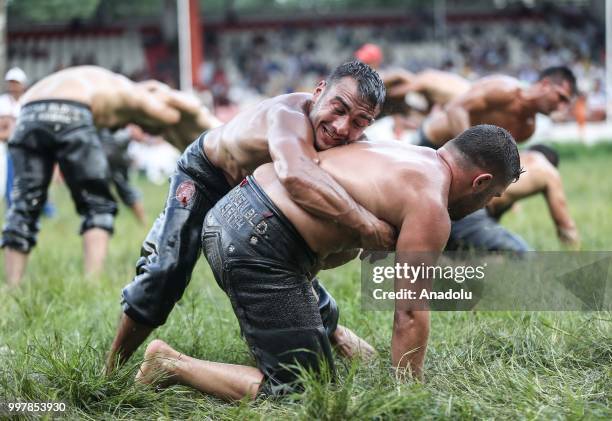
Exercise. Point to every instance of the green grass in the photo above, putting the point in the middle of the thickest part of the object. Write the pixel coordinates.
(56, 329)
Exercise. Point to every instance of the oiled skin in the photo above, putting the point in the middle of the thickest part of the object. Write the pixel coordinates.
(116, 101)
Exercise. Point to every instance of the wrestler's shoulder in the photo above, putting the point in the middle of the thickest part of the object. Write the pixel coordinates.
(418, 167)
(288, 106)
(536, 163)
(294, 100)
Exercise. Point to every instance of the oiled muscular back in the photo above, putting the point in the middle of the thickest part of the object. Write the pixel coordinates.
(494, 100)
(105, 92)
(383, 177)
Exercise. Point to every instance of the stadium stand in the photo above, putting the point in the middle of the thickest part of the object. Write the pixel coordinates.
(269, 57)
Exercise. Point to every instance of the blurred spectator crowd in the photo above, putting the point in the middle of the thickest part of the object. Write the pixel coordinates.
(243, 65)
(247, 64)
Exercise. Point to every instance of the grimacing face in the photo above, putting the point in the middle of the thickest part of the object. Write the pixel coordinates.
(473, 201)
(338, 115)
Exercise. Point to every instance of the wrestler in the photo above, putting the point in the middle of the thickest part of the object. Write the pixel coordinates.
(263, 247)
(286, 130)
(502, 101)
(57, 123)
(541, 176)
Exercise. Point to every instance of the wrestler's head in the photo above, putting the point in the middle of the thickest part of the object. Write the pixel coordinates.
(555, 89)
(345, 104)
(484, 160)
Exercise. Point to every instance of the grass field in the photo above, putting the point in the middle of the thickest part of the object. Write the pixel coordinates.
(56, 329)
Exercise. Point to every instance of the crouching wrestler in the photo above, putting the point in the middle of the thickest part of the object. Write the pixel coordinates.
(264, 249)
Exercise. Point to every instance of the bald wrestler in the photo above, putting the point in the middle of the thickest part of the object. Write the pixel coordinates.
(57, 123)
(286, 130)
(263, 248)
(502, 101)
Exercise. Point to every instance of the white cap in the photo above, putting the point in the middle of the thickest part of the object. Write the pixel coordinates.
(17, 75)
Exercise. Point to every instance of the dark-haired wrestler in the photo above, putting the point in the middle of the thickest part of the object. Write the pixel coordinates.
(263, 248)
(286, 130)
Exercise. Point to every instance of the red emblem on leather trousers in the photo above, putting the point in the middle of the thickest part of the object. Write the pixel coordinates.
(185, 192)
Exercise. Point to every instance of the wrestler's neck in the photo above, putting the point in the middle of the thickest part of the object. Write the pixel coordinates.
(529, 100)
(447, 162)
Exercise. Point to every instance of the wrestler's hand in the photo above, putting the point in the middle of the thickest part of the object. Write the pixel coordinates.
(378, 235)
(569, 238)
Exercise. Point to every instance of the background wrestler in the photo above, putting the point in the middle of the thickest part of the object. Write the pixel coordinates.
(482, 230)
(418, 190)
(286, 130)
(57, 123)
(502, 101)
(541, 176)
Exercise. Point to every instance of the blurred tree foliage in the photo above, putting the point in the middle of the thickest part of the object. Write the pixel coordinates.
(40, 11)
(49, 10)
(250, 7)
(106, 10)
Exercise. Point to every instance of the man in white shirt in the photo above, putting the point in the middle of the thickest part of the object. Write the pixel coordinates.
(16, 81)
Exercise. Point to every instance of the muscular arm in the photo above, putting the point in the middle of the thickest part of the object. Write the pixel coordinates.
(411, 319)
(397, 82)
(194, 116)
(154, 108)
(292, 150)
(557, 205)
(440, 87)
(128, 338)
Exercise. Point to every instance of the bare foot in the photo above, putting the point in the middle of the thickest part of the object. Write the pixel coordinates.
(349, 345)
(159, 366)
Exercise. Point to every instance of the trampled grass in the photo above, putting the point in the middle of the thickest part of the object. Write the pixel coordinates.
(56, 329)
